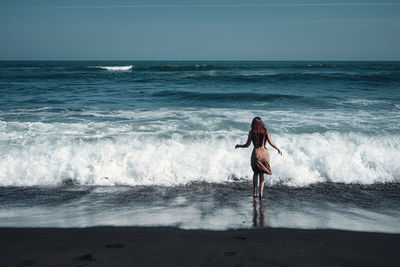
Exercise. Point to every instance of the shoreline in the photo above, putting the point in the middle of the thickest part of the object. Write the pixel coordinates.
(155, 246)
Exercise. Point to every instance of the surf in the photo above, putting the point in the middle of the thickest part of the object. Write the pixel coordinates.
(112, 154)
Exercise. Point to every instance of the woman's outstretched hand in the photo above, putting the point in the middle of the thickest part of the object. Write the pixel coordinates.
(280, 152)
(237, 146)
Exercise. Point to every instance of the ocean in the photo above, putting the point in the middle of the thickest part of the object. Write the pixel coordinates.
(151, 143)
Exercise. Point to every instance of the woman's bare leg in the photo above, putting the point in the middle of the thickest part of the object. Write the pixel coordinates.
(269, 172)
(261, 184)
(255, 182)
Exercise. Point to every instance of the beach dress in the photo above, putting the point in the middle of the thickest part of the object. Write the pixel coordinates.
(260, 158)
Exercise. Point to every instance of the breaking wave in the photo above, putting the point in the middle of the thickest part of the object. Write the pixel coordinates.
(115, 68)
(53, 154)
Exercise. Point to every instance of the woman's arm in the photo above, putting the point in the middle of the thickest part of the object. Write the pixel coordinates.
(247, 143)
(272, 143)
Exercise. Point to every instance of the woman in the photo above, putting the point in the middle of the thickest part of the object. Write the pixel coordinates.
(260, 155)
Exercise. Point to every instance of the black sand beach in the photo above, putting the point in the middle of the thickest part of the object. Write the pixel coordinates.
(153, 246)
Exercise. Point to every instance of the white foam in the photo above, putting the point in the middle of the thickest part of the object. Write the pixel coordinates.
(335, 157)
(365, 102)
(116, 68)
(106, 153)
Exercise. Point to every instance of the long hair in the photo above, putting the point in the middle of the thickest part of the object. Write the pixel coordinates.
(258, 131)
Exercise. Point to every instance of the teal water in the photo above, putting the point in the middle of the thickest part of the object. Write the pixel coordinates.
(69, 127)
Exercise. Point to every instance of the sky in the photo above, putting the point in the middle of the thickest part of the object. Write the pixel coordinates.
(199, 30)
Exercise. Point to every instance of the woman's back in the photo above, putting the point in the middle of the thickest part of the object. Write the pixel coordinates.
(258, 139)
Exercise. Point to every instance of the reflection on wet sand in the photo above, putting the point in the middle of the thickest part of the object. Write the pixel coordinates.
(258, 215)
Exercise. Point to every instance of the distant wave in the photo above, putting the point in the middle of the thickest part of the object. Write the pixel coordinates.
(236, 76)
(262, 76)
(158, 68)
(115, 68)
(228, 97)
(228, 72)
(172, 68)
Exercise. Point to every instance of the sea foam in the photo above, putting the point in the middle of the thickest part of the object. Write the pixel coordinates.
(116, 68)
(53, 154)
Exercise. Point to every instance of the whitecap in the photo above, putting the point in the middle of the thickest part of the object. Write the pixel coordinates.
(116, 68)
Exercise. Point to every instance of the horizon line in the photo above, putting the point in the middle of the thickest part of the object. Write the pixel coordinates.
(209, 60)
(209, 5)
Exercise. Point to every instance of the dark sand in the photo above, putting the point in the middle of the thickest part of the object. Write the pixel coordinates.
(135, 246)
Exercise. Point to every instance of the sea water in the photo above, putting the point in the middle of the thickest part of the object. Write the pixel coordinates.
(86, 143)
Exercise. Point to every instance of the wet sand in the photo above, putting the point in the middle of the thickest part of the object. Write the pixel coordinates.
(156, 246)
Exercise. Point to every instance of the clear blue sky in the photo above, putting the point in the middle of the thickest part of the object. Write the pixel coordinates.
(199, 30)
